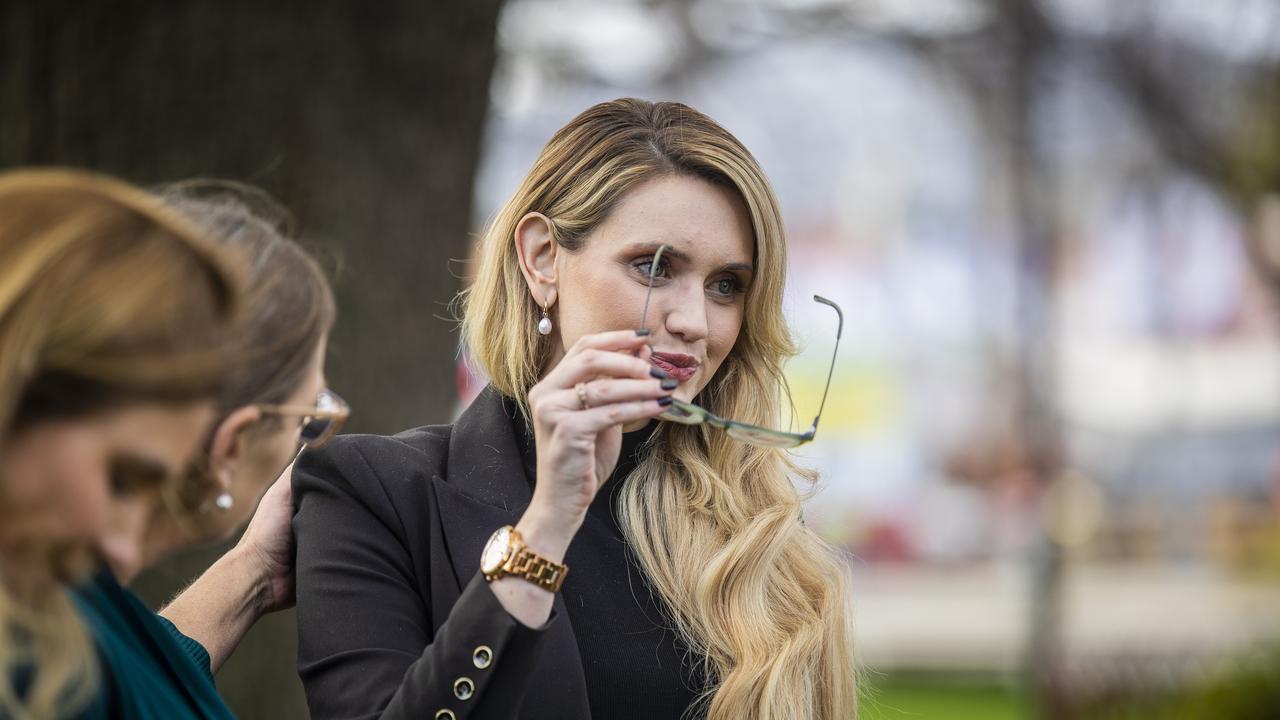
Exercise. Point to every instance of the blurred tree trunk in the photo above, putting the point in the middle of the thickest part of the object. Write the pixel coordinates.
(364, 119)
(1030, 42)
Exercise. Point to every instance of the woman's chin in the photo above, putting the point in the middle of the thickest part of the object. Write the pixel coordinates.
(123, 556)
(689, 389)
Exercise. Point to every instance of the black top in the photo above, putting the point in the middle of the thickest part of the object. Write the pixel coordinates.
(395, 620)
(635, 664)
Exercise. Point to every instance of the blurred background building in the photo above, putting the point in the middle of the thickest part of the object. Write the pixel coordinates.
(1052, 450)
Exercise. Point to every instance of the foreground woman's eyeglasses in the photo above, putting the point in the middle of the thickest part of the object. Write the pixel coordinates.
(318, 424)
(690, 414)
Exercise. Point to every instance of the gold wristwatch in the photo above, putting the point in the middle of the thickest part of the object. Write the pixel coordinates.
(506, 554)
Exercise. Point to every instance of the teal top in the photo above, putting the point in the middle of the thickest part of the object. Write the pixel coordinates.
(149, 670)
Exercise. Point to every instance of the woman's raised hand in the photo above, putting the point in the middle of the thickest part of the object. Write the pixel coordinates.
(603, 382)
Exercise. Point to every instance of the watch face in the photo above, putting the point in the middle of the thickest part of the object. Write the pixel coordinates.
(495, 551)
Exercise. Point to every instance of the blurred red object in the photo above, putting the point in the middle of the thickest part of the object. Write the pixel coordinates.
(885, 542)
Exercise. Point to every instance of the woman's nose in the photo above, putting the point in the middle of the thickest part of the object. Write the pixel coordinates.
(686, 313)
(121, 542)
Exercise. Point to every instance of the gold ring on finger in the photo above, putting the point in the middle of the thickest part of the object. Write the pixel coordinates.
(581, 388)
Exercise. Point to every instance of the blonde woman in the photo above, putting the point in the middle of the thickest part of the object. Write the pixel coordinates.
(559, 552)
(105, 394)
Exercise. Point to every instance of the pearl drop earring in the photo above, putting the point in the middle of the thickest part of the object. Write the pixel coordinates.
(224, 501)
(544, 325)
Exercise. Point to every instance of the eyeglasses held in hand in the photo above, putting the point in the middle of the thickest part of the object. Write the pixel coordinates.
(318, 424)
(689, 414)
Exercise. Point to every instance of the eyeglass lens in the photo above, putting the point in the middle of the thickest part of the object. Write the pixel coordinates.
(316, 428)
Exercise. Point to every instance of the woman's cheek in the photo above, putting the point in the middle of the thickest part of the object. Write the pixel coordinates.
(72, 504)
(275, 454)
(724, 335)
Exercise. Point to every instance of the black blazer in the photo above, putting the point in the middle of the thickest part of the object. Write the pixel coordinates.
(393, 614)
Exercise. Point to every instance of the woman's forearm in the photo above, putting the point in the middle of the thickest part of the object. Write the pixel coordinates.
(222, 604)
(525, 601)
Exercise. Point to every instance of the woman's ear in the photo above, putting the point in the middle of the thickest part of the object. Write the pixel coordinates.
(536, 248)
(229, 445)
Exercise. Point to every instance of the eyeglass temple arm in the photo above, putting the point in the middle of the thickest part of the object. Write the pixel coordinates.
(834, 353)
(653, 275)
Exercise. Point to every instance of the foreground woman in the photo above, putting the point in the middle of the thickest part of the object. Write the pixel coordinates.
(161, 667)
(558, 553)
(105, 394)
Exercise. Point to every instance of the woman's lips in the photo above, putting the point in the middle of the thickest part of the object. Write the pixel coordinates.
(678, 365)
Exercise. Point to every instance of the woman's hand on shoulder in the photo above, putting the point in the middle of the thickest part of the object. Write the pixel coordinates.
(268, 544)
(603, 382)
(253, 578)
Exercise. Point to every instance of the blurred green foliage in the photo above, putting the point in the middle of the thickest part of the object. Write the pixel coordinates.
(1246, 687)
(938, 698)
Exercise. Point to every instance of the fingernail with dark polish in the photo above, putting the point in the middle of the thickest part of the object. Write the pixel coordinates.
(665, 400)
(643, 332)
(670, 384)
(659, 373)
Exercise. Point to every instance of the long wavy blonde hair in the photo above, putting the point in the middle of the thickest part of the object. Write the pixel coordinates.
(715, 523)
(106, 299)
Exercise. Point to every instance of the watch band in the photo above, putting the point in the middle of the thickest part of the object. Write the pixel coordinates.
(506, 554)
(536, 569)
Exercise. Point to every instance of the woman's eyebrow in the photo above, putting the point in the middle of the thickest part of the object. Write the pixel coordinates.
(674, 254)
(652, 247)
(143, 462)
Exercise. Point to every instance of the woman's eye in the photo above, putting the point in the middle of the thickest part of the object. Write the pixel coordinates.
(645, 267)
(120, 484)
(726, 287)
(126, 485)
(128, 476)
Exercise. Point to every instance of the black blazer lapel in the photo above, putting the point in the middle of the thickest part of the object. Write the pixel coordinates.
(484, 487)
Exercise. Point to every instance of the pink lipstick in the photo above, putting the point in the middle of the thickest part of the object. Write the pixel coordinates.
(678, 365)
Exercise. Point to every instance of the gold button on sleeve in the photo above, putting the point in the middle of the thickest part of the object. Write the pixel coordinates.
(463, 688)
(445, 714)
(482, 657)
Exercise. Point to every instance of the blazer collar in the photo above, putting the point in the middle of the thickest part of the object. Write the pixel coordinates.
(484, 485)
(485, 455)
